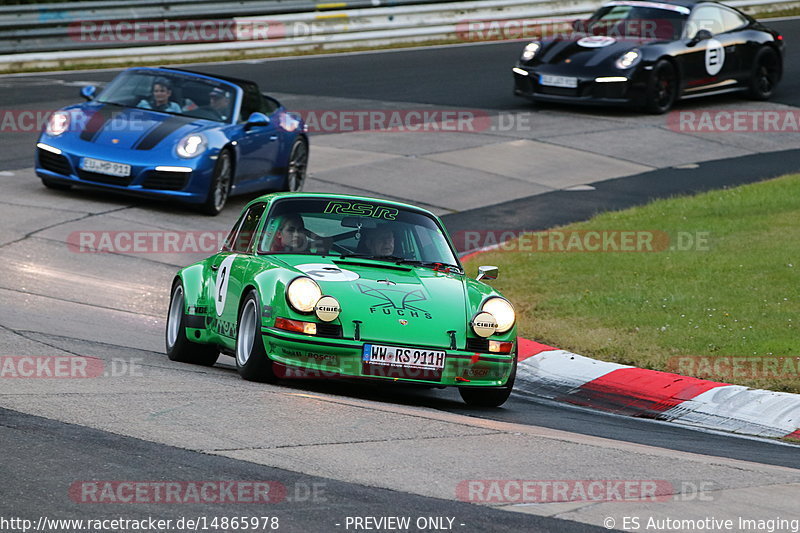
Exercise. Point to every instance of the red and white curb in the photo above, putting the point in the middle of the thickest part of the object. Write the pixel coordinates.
(563, 376)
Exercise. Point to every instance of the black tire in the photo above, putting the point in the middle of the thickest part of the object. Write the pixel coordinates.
(495, 397)
(220, 186)
(252, 361)
(766, 74)
(179, 347)
(296, 167)
(662, 88)
(56, 185)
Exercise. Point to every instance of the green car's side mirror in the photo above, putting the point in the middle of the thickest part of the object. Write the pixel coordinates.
(487, 272)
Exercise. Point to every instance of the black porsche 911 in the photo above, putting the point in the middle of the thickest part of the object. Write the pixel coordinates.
(651, 54)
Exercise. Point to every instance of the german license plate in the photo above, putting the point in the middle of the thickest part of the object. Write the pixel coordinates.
(397, 356)
(558, 81)
(109, 168)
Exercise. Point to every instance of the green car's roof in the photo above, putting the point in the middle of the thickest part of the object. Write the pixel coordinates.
(276, 196)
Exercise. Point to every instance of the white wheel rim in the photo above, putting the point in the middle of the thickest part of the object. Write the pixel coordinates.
(247, 333)
(174, 318)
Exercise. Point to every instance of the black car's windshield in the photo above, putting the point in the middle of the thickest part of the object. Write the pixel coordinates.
(174, 93)
(638, 20)
(355, 229)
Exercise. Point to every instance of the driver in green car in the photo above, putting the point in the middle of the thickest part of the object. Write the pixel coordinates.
(292, 236)
(380, 241)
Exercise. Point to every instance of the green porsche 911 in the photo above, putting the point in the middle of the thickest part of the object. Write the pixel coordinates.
(329, 285)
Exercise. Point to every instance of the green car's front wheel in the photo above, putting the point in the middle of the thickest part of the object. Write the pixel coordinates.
(179, 347)
(494, 397)
(252, 361)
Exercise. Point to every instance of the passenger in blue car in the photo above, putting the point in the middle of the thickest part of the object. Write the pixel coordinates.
(160, 101)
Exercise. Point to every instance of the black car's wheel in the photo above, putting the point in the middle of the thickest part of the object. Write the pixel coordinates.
(220, 184)
(478, 397)
(766, 74)
(56, 185)
(252, 360)
(297, 167)
(662, 88)
(179, 347)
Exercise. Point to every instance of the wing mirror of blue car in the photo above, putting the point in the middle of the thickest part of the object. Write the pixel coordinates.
(487, 273)
(701, 35)
(256, 120)
(89, 92)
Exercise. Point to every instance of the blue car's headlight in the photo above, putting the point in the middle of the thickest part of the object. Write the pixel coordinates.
(531, 50)
(629, 59)
(192, 145)
(58, 123)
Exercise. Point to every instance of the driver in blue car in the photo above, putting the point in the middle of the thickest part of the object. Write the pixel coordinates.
(219, 101)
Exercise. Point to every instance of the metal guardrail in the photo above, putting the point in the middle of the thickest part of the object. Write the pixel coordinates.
(49, 27)
(278, 30)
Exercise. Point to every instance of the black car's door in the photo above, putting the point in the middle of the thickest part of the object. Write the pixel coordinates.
(714, 63)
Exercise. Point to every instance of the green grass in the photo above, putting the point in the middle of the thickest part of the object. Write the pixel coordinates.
(739, 296)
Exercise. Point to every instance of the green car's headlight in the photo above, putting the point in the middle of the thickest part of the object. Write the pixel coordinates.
(303, 293)
(502, 311)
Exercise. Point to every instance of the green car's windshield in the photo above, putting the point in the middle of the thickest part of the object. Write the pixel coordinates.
(355, 229)
(178, 94)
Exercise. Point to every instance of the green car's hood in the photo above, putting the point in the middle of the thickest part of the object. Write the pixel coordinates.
(402, 304)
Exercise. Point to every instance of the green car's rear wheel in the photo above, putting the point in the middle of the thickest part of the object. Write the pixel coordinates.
(252, 360)
(179, 347)
(494, 397)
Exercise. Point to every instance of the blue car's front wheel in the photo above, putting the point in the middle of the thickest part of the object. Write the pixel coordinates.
(220, 185)
(297, 167)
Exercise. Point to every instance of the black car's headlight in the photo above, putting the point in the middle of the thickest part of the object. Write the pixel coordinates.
(58, 123)
(502, 311)
(303, 293)
(192, 145)
(530, 50)
(629, 59)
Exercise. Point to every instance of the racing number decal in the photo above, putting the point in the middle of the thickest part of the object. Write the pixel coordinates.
(221, 286)
(715, 57)
(325, 272)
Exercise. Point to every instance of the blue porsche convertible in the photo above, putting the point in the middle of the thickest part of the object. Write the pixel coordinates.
(175, 134)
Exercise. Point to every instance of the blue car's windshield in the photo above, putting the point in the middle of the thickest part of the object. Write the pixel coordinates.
(355, 229)
(168, 92)
(639, 20)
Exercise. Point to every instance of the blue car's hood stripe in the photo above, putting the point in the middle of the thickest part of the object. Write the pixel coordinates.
(157, 134)
(97, 122)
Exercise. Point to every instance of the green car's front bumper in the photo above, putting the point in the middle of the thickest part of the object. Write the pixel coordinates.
(306, 356)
